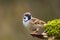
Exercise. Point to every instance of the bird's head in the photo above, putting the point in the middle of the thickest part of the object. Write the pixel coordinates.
(27, 16)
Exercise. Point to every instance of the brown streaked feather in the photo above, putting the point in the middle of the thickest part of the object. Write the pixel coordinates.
(36, 21)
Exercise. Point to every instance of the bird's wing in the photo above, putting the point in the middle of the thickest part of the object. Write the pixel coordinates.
(35, 21)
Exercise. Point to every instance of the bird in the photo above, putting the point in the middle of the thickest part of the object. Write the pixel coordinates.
(34, 25)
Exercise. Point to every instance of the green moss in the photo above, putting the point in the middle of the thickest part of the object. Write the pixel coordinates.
(53, 28)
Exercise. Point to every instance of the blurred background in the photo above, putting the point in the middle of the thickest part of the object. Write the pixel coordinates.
(11, 13)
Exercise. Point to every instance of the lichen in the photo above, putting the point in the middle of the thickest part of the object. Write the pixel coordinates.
(53, 28)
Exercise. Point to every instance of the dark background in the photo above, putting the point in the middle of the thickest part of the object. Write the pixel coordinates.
(11, 13)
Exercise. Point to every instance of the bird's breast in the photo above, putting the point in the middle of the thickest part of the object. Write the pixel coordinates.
(28, 26)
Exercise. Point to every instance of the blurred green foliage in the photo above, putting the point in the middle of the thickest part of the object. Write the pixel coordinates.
(53, 28)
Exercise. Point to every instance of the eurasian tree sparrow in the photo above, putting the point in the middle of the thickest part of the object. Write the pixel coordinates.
(33, 25)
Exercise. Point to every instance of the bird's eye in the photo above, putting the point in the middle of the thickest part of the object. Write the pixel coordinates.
(24, 18)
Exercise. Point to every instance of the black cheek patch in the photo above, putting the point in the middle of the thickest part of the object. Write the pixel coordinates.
(29, 17)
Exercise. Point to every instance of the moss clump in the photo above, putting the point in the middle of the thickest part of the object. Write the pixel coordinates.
(53, 28)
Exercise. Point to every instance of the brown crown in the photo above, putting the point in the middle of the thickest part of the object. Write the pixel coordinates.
(27, 13)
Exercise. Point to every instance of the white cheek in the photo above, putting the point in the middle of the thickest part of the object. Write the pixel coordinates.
(26, 18)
